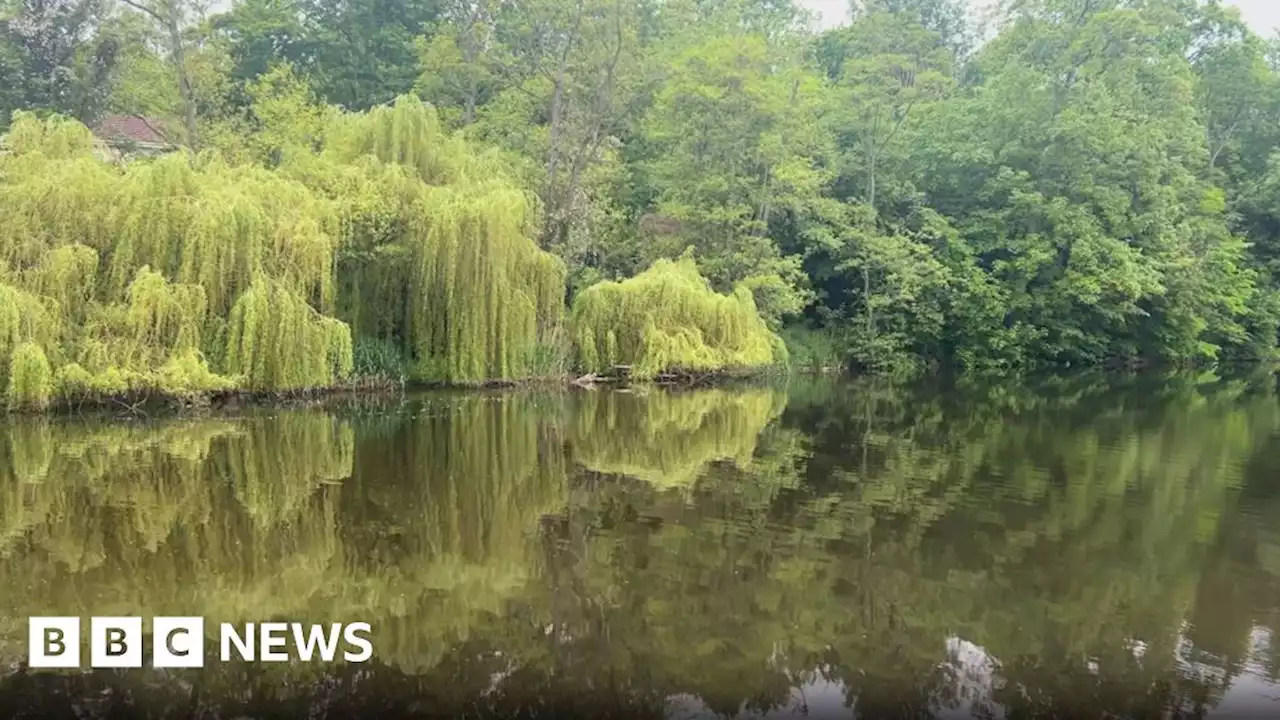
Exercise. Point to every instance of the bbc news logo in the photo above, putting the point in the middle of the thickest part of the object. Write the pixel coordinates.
(178, 642)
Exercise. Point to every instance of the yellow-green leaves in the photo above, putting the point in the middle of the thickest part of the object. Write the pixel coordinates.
(58, 137)
(669, 318)
(122, 279)
(188, 274)
(276, 341)
(30, 379)
(437, 241)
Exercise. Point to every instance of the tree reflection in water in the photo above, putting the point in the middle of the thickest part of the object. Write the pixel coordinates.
(1082, 546)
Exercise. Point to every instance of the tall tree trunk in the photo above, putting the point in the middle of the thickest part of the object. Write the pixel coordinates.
(469, 114)
(866, 299)
(184, 79)
(551, 229)
(871, 182)
(553, 133)
(551, 196)
(764, 203)
(472, 53)
(601, 112)
(168, 17)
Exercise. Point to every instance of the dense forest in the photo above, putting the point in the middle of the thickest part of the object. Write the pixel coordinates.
(471, 190)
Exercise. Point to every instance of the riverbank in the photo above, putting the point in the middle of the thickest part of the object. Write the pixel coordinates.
(377, 389)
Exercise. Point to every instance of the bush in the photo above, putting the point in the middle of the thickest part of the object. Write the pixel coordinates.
(187, 375)
(669, 319)
(30, 378)
(377, 358)
(815, 350)
(72, 382)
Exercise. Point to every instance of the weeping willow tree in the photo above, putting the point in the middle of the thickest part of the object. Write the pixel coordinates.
(485, 291)
(30, 380)
(668, 439)
(409, 133)
(437, 246)
(187, 274)
(219, 227)
(668, 318)
(25, 318)
(180, 274)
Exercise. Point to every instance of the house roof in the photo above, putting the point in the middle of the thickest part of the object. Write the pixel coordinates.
(130, 128)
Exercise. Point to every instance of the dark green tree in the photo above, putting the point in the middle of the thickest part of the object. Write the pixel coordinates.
(55, 57)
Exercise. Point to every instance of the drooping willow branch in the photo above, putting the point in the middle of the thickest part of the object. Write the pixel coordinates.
(668, 318)
(190, 276)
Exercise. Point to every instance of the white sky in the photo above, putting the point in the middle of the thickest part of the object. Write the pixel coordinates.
(1262, 15)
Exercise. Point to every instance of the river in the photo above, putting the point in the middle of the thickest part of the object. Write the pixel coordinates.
(846, 548)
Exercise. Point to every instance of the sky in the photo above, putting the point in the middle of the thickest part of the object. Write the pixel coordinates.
(1262, 15)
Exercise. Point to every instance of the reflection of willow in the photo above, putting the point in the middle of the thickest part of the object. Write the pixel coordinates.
(231, 520)
(138, 471)
(30, 447)
(148, 519)
(276, 464)
(668, 438)
(454, 498)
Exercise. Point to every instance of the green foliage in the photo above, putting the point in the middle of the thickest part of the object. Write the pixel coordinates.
(669, 319)
(377, 358)
(810, 349)
(30, 379)
(1094, 184)
(24, 318)
(409, 133)
(216, 225)
(193, 274)
(73, 382)
(56, 57)
(1077, 184)
(163, 318)
(67, 275)
(448, 232)
(133, 273)
(283, 117)
(361, 53)
(186, 374)
(57, 136)
(485, 290)
(276, 341)
(726, 181)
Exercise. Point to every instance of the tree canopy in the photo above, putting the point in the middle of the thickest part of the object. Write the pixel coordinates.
(1092, 183)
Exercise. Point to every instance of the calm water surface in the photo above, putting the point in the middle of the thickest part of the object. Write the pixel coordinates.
(1078, 547)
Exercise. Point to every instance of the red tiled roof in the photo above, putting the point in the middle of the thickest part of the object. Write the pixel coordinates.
(127, 127)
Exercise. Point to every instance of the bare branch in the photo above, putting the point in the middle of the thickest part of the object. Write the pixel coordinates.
(143, 8)
(159, 133)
